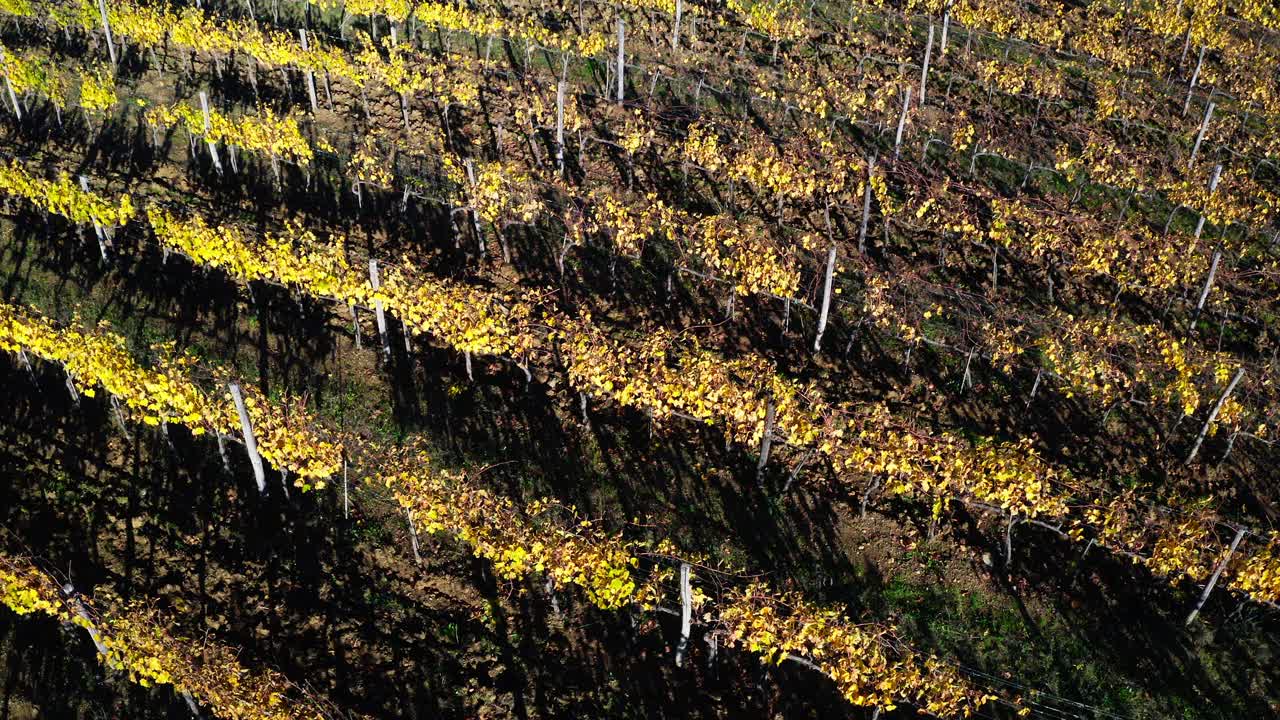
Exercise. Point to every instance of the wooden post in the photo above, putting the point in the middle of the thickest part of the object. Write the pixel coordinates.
(311, 76)
(250, 443)
(924, 73)
(1195, 76)
(675, 30)
(622, 64)
(826, 298)
(1222, 399)
(1213, 580)
(1204, 125)
(686, 614)
(213, 147)
(902, 121)
(377, 307)
(106, 28)
(766, 440)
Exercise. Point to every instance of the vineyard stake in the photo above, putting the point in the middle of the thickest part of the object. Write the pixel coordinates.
(1008, 540)
(311, 76)
(1195, 76)
(413, 537)
(377, 307)
(119, 413)
(902, 121)
(826, 299)
(250, 442)
(213, 147)
(866, 206)
(622, 68)
(946, 22)
(222, 452)
(1204, 125)
(675, 29)
(1213, 187)
(1208, 284)
(924, 73)
(475, 214)
(73, 600)
(766, 439)
(686, 614)
(106, 28)
(1222, 399)
(560, 86)
(71, 387)
(550, 588)
(1213, 580)
(355, 324)
(13, 98)
(97, 227)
